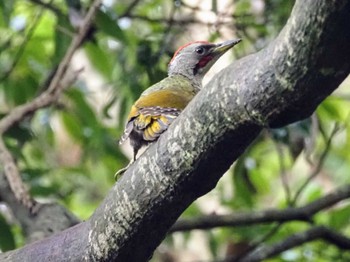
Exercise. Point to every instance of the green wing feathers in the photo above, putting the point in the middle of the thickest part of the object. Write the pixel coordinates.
(152, 114)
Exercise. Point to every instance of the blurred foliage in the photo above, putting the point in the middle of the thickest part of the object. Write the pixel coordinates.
(69, 152)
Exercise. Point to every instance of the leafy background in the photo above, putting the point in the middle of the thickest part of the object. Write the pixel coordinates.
(69, 152)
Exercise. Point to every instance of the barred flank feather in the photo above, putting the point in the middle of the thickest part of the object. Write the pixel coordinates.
(150, 123)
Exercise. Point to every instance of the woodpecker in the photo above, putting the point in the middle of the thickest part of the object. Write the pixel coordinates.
(161, 103)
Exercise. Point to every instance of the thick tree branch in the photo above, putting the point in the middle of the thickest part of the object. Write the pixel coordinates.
(283, 83)
(304, 213)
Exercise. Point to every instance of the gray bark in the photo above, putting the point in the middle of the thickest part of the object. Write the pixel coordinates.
(281, 84)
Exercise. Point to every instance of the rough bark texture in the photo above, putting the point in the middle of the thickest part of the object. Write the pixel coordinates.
(281, 84)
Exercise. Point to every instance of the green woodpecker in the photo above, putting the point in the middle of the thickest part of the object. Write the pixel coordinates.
(161, 103)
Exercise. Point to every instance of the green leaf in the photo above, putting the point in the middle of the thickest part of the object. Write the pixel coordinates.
(41, 190)
(108, 106)
(22, 89)
(340, 218)
(243, 187)
(100, 60)
(82, 108)
(334, 109)
(72, 125)
(34, 173)
(109, 26)
(21, 133)
(7, 241)
(6, 10)
(61, 38)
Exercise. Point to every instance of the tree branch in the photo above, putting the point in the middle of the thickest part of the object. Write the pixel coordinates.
(130, 8)
(318, 166)
(283, 172)
(13, 177)
(281, 84)
(304, 213)
(314, 233)
(181, 22)
(48, 6)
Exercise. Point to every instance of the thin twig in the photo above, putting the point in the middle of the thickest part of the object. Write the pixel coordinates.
(180, 22)
(48, 6)
(167, 32)
(257, 243)
(283, 173)
(130, 8)
(13, 177)
(319, 165)
(304, 213)
(310, 145)
(314, 233)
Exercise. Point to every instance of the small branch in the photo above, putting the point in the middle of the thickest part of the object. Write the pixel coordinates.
(319, 165)
(183, 21)
(130, 8)
(48, 6)
(13, 177)
(318, 232)
(283, 173)
(167, 33)
(310, 144)
(304, 213)
(257, 243)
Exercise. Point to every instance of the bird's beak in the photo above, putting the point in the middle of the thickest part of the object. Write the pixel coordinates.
(221, 48)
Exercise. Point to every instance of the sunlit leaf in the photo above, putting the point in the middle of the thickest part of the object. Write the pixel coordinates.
(340, 218)
(62, 38)
(110, 26)
(100, 59)
(72, 125)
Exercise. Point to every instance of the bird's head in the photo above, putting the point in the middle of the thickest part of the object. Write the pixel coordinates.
(193, 60)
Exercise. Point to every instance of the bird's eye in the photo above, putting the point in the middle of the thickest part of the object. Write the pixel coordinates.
(200, 50)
